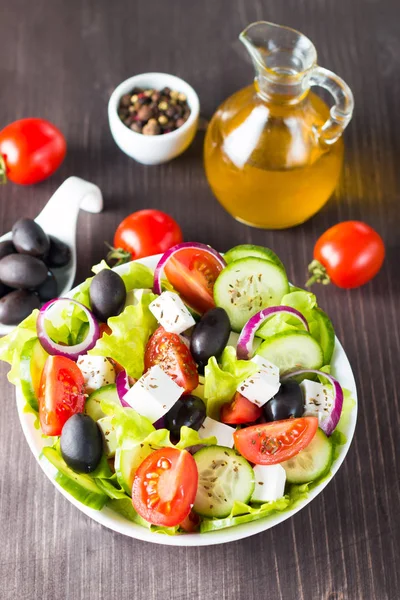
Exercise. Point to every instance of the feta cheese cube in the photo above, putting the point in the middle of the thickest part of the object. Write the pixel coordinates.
(269, 483)
(97, 371)
(318, 399)
(109, 435)
(263, 385)
(154, 394)
(223, 433)
(171, 313)
(134, 297)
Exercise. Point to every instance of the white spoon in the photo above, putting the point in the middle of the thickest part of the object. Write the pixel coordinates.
(58, 218)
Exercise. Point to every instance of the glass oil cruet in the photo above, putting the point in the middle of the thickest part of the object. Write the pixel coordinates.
(273, 150)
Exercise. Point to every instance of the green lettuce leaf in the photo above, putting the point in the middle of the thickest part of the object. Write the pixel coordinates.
(221, 381)
(112, 488)
(301, 300)
(130, 427)
(12, 344)
(130, 333)
(243, 513)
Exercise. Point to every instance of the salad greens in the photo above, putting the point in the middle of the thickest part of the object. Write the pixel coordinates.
(130, 333)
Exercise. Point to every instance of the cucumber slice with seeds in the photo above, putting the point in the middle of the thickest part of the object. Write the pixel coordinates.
(108, 393)
(224, 477)
(290, 350)
(246, 250)
(246, 286)
(312, 462)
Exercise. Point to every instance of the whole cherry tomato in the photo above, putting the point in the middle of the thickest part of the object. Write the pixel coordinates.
(30, 150)
(349, 254)
(147, 232)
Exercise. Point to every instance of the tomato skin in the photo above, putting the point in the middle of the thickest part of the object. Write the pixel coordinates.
(169, 352)
(32, 149)
(351, 252)
(147, 232)
(193, 273)
(61, 393)
(240, 411)
(272, 443)
(191, 524)
(165, 486)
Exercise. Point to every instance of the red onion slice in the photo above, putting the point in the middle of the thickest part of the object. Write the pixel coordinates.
(244, 349)
(157, 288)
(328, 422)
(59, 349)
(123, 386)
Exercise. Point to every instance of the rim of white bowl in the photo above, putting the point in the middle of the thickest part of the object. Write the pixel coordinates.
(123, 88)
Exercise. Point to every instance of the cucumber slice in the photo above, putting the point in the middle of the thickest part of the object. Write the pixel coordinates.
(290, 350)
(32, 360)
(80, 486)
(312, 462)
(246, 250)
(224, 477)
(246, 286)
(127, 460)
(326, 337)
(107, 392)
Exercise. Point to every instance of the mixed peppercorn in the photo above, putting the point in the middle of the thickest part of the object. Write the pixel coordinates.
(153, 112)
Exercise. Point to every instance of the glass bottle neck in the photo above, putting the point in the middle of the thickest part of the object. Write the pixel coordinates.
(281, 92)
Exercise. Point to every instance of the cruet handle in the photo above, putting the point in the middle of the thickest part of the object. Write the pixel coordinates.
(341, 112)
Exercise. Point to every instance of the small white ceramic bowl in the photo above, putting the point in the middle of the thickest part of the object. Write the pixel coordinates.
(153, 149)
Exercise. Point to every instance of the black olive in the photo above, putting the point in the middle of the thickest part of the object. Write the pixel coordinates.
(288, 402)
(59, 254)
(81, 443)
(48, 289)
(6, 248)
(22, 271)
(17, 305)
(107, 294)
(29, 238)
(189, 411)
(210, 336)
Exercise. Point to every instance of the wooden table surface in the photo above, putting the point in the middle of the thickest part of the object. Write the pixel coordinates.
(61, 60)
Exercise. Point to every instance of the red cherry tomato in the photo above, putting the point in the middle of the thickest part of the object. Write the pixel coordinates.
(165, 486)
(191, 523)
(351, 254)
(272, 443)
(240, 410)
(193, 273)
(31, 150)
(61, 393)
(173, 356)
(147, 232)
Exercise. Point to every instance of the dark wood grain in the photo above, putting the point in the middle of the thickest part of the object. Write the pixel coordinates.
(60, 60)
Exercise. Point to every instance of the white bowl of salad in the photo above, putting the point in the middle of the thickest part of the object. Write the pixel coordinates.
(186, 399)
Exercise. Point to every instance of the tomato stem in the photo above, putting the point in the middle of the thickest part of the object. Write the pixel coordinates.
(117, 256)
(318, 274)
(3, 170)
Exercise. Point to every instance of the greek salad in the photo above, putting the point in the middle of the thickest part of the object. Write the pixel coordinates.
(190, 399)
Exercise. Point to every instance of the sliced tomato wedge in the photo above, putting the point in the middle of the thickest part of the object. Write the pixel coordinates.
(192, 273)
(272, 443)
(169, 352)
(240, 410)
(165, 486)
(61, 393)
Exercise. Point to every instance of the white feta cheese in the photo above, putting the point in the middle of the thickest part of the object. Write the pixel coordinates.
(318, 399)
(269, 483)
(109, 435)
(97, 371)
(263, 385)
(154, 394)
(171, 313)
(222, 432)
(134, 297)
